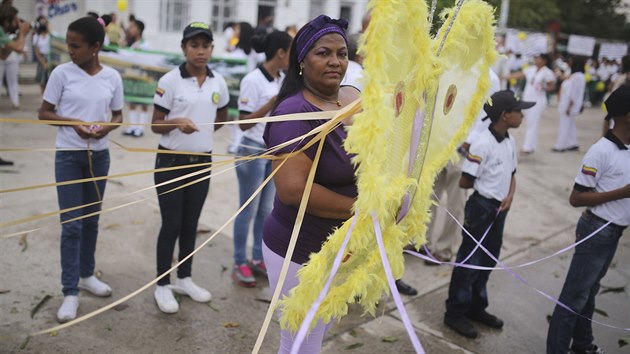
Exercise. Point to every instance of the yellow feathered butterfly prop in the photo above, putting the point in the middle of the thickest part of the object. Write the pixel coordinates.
(434, 87)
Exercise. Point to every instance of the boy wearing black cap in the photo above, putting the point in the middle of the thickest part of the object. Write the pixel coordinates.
(603, 186)
(489, 168)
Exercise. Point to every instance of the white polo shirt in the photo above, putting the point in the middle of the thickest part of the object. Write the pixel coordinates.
(180, 96)
(257, 88)
(90, 98)
(491, 162)
(354, 75)
(606, 167)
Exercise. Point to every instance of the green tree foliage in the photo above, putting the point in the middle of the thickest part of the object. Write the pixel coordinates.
(597, 18)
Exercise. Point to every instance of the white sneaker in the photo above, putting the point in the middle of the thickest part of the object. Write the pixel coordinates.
(187, 287)
(165, 299)
(93, 285)
(68, 309)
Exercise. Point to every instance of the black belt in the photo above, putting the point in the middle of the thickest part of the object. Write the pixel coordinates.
(590, 214)
(188, 158)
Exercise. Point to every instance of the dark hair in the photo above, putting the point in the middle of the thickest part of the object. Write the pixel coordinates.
(228, 24)
(140, 25)
(547, 58)
(625, 64)
(107, 19)
(7, 13)
(577, 64)
(92, 14)
(245, 37)
(271, 43)
(293, 81)
(90, 29)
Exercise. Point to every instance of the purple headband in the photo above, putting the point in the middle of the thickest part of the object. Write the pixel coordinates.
(316, 29)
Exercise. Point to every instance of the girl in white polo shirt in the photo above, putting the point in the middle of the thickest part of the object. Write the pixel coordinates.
(81, 91)
(257, 96)
(188, 100)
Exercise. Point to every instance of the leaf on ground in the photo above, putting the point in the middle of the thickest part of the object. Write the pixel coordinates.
(613, 289)
(231, 324)
(223, 268)
(623, 342)
(353, 332)
(390, 339)
(25, 342)
(556, 274)
(121, 307)
(548, 318)
(109, 328)
(601, 312)
(203, 230)
(112, 226)
(116, 182)
(212, 307)
(23, 242)
(353, 346)
(241, 335)
(178, 297)
(40, 304)
(137, 222)
(54, 333)
(98, 274)
(210, 244)
(5, 291)
(179, 338)
(263, 300)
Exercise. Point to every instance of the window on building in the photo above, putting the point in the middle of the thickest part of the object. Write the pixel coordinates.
(317, 8)
(266, 10)
(174, 15)
(222, 13)
(346, 12)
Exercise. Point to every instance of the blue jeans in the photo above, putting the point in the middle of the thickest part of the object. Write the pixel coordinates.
(78, 238)
(588, 266)
(251, 175)
(467, 291)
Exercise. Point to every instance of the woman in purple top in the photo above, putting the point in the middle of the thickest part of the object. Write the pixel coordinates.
(317, 64)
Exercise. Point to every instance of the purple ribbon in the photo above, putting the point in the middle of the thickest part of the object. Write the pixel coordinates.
(392, 286)
(308, 319)
(518, 277)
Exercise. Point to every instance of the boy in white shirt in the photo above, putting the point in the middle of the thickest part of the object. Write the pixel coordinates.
(489, 168)
(603, 186)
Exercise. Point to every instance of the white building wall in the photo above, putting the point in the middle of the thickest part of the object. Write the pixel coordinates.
(288, 12)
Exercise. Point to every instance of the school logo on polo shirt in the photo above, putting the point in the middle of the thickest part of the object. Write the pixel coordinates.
(215, 97)
(160, 91)
(591, 171)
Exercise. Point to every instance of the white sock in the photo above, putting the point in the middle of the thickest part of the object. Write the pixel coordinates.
(143, 118)
(133, 119)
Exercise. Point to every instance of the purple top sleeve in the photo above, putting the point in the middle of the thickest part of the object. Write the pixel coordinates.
(335, 172)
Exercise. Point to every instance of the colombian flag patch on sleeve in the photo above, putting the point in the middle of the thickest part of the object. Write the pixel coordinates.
(591, 171)
(473, 158)
(160, 91)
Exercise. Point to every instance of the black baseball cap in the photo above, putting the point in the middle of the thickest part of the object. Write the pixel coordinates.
(197, 28)
(505, 101)
(618, 103)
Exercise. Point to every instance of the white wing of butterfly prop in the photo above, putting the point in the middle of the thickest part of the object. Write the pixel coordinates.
(421, 96)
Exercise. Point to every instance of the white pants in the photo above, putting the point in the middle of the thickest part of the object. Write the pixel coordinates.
(313, 342)
(9, 69)
(567, 133)
(532, 117)
(447, 180)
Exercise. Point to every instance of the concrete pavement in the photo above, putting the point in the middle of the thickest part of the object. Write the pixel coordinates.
(541, 222)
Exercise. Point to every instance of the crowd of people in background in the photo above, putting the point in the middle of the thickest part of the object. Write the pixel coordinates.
(311, 69)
